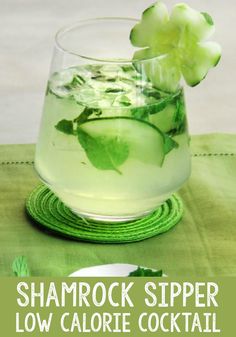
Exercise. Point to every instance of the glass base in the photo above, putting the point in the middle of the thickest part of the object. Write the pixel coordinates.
(110, 210)
(47, 210)
(112, 218)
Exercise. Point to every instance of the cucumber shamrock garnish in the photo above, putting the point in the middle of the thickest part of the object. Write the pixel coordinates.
(175, 45)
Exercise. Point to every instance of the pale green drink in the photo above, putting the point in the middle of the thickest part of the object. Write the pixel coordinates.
(111, 146)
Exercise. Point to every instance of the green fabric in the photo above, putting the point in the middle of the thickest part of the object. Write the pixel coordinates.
(51, 214)
(202, 244)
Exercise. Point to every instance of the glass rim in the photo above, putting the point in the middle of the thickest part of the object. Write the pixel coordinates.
(67, 28)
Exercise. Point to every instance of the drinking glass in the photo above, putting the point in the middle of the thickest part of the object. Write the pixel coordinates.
(113, 145)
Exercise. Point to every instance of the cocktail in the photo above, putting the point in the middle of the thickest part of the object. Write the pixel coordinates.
(114, 142)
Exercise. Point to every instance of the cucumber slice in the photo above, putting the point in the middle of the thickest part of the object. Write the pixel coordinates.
(163, 70)
(153, 18)
(196, 25)
(145, 142)
(173, 46)
(198, 60)
(165, 119)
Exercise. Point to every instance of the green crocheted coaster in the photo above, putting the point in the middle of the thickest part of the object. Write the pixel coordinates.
(48, 211)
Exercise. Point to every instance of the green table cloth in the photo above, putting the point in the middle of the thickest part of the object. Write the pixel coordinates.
(202, 244)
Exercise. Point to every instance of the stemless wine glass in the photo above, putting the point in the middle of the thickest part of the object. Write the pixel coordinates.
(113, 144)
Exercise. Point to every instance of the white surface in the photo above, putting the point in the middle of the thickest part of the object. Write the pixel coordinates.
(110, 270)
(27, 31)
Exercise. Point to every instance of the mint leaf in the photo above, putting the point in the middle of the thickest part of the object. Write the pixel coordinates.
(140, 112)
(208, 18)
(112, 79)
(98, 77)
(169, 144)
(142, 272)
(159, 106)
(86, 113)
(180, 119)
(126, 80)
(79, 79)
(76, 81)
(104, 153)
(20, 267)
(127, 68)
(125, 101)
(151, 93)
(113, 90)
(65, 126)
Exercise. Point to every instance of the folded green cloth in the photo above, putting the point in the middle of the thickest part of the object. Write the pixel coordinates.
(202, 244)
